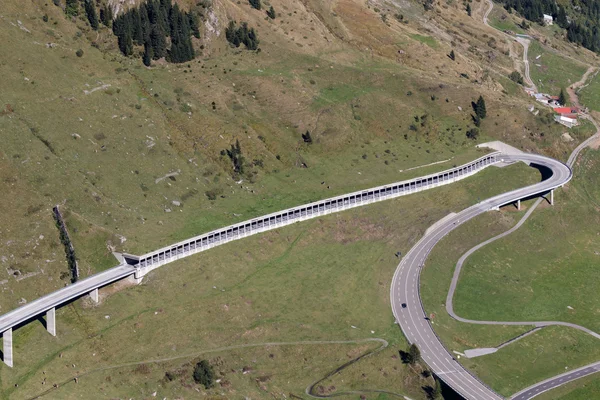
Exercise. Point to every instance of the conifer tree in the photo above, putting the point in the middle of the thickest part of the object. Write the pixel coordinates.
(106, 15)
(231, 34)
(243, 34)
(147, 58)
(561, 18)
(174, 21)
(126, 43)
(562, 99)
(153, 11)
(145, 23)
(158, 41)
(452, 55)
(271, 13)
(481, 111)
(182, 49)
(90, 12)
(164, 12)
(194, 24)
(136, 26)
(255, 4)
(468, 9)
(415, 353)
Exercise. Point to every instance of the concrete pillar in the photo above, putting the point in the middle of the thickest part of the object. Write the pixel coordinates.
(51, 321)
(519, 204)
(94, 295)
(552, 197)
(7, 347)
(138, 275)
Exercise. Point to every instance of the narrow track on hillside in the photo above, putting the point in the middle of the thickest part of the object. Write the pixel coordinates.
(459, 265)
(523, 41)
(384, 344)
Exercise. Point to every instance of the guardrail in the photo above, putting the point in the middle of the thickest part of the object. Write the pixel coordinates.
(165, 255)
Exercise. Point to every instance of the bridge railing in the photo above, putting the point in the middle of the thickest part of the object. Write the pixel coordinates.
(157, 258)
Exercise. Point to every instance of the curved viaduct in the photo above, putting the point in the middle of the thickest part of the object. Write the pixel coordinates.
(405, 284)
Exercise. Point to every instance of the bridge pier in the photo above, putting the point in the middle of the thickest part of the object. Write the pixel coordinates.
(552, 197)
(519, 204)
(94, 295)
(7, 347)
(138, 275)
(51, 321)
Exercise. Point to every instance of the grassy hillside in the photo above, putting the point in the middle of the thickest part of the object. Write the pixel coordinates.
(322, 280)
(543, 271)
(117, 143)
(136, 156)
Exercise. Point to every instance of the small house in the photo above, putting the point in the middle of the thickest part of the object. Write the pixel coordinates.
(570, 112)
(548, 20)
(566, 121)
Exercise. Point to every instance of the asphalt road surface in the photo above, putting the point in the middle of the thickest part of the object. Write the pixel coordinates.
(556, 381)
(405, 283)
(61, 296)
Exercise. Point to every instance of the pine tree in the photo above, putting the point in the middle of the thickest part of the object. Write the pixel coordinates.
(307, 138)
(126, 43)
(255, 4)
(145, 23)
(106, 15)
(452, 55)
(468, 9)
(194, 24)
(562, 99)
(271, 13)
(90, 12)
(415, 353)
(235, 154)
(147, 58)
(252, 43)
(182, 49)
(173, 20)
(153, 11)
(561, 18)
(158, 41)
(162, 18)
(137, 32)
(231, 34)
(481, 111)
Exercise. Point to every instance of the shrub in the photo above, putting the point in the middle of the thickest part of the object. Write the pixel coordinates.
(473, 133)
(204, 374)
(255, 4)
(79, 53)
(516, 77)
(213, 193)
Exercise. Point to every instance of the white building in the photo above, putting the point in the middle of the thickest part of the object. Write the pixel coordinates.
(566, 121)
(548, 19)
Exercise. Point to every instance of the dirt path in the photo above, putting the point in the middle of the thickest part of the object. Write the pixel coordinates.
(383, 345)
(523, 41)
(572, 90)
